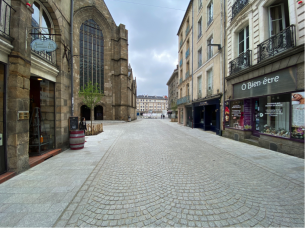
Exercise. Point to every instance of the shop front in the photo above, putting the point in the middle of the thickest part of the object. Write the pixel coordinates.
(268, 109)
(207, 115)
(42, 116)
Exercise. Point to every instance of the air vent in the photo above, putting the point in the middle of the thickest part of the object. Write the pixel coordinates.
(236, 137)
(273, 146)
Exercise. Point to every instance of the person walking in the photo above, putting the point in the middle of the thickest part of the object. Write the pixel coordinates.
(161, 116)
(83, 125)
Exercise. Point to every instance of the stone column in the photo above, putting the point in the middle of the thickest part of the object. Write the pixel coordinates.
(19, 88)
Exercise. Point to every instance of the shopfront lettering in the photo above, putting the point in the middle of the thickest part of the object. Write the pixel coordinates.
(277, 82)
(265, 81)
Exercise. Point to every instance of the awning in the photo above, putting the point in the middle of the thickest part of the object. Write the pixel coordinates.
(169, 112)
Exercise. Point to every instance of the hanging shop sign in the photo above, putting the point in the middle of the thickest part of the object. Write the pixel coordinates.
(43, 45)
(277, 82)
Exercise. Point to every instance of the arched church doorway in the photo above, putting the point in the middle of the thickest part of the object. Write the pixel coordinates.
(85, 112)
(98, 113)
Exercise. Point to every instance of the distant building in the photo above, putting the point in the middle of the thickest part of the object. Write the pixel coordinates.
(172, 90)
(153, 104)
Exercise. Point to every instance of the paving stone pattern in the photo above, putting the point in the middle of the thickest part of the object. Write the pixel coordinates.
(162, 174)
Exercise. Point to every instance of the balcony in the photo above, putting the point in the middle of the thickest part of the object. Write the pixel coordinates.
(187, 30)
(183, 100)
(238, 6)
(5, 18)
(181, 61)
(243, 61)
(181, 42)
(187, 74)
(180, 80)
(210, 19)
(187, 53)
(277, 44)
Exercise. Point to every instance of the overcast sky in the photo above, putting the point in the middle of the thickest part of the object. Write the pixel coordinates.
(153, 41)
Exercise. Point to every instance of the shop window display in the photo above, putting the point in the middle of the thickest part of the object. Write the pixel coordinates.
(298, 123)
(237, 114)
(274, 115)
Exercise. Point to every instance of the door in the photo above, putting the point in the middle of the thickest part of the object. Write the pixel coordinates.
(2, 122)
(256, 117)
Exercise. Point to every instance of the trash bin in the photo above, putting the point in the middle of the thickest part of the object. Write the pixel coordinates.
(129, 118)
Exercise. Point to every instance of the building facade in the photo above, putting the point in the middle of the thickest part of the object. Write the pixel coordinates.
(35, 84)
(265, 74)
(152, 104)
(201, 74)
(172, 85)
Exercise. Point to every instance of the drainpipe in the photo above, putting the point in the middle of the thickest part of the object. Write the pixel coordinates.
(71, 49)
(192, 61)
(224, 64)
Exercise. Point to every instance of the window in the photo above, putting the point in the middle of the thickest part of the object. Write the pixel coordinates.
(180, 93)
(276, 19)
(199, 87)
(210, 48)
(199, 4)
(298, 117)
(210, 13)
(210, 82)
(237, 114)
(243, 40)
(200, 57)
(91, 54)
(41, 28)
(200, 28)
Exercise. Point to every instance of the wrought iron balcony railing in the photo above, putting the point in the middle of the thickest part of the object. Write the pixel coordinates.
(243, 61)
(183, 100)
(187, 53)
(277, 44)
(180, 81)
(238, 6)
(181, 42)
(210, 19)
(181, 61)
(187, 74)
(187, 30)
(5, 18)
(38, 33)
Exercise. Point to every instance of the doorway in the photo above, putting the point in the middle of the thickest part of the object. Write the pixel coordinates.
(210, 118)
(256, 117)
(98, 112)
(85, 112)
(3, 72)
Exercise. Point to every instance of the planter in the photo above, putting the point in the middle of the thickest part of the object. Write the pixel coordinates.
(77, 140)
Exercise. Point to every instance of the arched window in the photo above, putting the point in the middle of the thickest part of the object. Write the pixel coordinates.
(91, 54)
(42, 27)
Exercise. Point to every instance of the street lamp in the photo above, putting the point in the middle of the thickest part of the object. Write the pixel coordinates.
(218, 45)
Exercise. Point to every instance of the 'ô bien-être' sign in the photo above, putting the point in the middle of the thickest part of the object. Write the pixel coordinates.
(43, 45)
(277, 82)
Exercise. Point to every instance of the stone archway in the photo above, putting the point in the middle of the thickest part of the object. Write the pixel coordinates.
(98, 112)
(85, 112)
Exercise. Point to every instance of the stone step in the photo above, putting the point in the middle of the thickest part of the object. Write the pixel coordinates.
(253, 142)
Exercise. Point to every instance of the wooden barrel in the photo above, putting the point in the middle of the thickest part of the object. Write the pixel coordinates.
(77, 140)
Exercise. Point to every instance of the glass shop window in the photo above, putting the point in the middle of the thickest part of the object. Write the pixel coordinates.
(237, 114)
(298, 115)
(274, 115)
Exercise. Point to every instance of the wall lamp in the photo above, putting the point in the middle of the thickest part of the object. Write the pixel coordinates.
(218, 45)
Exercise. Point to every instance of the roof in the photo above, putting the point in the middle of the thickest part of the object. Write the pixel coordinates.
(173, 74)
(185, 15)
(152, 97)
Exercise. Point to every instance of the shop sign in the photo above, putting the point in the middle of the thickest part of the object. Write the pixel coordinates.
(203, 103)
(277, 82)
(43, 45)
(298, 115)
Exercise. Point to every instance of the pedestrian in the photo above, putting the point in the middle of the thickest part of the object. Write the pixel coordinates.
(83, 125)
(161, 116)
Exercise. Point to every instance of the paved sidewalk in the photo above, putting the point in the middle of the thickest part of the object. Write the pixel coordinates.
(37, 197)
(161, 174)
(157, 173)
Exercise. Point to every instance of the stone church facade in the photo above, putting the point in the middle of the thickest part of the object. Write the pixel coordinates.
(35, 86)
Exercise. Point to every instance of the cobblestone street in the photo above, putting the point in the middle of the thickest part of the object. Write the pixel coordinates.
(158, 173)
